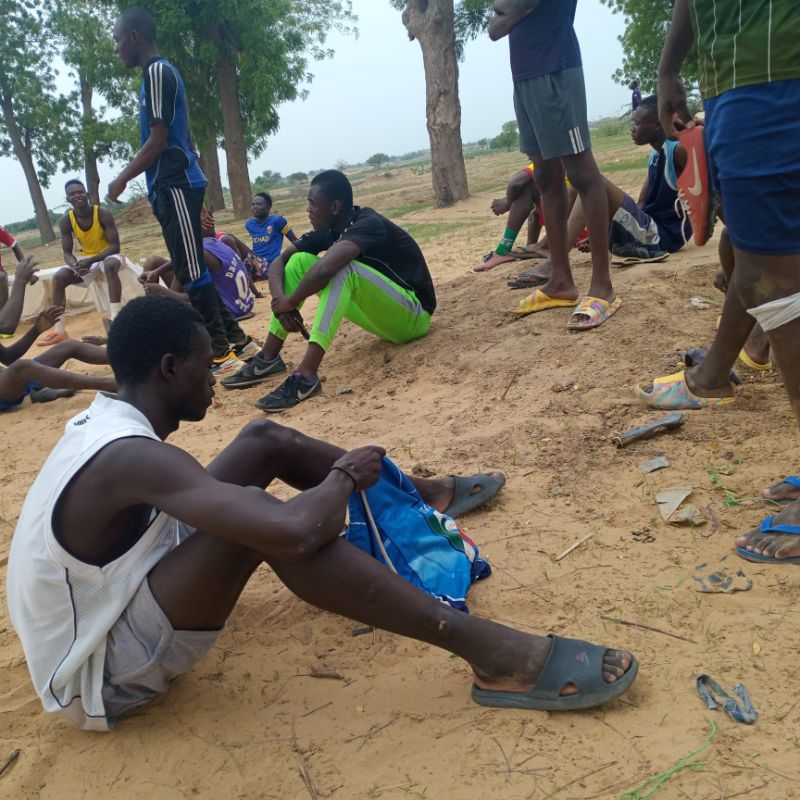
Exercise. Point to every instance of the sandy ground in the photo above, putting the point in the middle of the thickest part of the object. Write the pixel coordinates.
(482, 390)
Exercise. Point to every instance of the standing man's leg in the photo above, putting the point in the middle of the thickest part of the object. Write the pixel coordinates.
(711, 378)
(585, 176)
(178, 213)
(550, 175)
(554, 108)
(3, 288)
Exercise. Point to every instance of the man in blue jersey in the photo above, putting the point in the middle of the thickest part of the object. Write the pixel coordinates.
(175, 182)
(550, 103)
(267, 231)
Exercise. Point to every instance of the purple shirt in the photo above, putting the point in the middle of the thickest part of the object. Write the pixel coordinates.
(231, 281)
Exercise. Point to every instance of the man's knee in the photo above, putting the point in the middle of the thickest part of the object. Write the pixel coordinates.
(111, 265)
(299, 264)
(583, 172)
(549, 175)
(64, 277)
(269, 434)
(20, 370)
(152, 262)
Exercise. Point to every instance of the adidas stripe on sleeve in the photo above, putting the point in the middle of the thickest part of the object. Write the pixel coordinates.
(160, 93)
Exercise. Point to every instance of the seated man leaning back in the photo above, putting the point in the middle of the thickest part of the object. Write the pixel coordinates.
(373, 273)
(129, 556)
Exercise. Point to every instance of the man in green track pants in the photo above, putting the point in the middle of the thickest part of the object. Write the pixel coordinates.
(373, 273)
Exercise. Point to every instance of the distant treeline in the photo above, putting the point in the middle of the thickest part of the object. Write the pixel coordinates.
(30, 223)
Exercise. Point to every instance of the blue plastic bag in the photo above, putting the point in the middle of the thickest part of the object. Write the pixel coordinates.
(392, 523)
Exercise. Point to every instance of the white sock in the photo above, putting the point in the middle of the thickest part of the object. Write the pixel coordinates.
(114, 308)
(61, 325)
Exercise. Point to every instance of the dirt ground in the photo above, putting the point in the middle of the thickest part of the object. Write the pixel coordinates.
(482, 390)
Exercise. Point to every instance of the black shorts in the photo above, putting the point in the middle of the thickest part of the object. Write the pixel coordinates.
(178, 212)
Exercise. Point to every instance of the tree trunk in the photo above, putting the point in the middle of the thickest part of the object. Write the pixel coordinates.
(89, 154)
(209, 163)
(233, 130)
(26, 162)
(431, 22)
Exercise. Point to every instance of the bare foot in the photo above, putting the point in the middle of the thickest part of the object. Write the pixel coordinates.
(775, 545)
(491, 261)
(781, 491)
(700, 388)
(560, 290)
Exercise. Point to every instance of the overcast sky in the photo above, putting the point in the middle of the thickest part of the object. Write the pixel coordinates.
(370, 97)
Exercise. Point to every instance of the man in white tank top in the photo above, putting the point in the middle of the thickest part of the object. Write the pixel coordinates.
(129, 556)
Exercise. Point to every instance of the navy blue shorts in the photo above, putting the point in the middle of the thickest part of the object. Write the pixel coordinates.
(7, 405)
(752, 135)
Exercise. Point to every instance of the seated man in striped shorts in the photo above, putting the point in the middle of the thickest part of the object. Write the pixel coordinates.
(373, 273)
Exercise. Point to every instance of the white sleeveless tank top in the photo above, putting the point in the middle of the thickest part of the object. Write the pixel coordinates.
(63, 608)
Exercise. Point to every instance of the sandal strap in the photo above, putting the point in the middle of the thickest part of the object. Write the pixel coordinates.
(571, 661)
(768, 526)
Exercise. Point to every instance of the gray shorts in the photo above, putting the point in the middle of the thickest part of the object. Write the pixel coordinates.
(144, 653)
(551, 114)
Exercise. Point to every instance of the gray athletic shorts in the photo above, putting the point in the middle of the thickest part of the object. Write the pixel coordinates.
(144, 654)
(551, 114)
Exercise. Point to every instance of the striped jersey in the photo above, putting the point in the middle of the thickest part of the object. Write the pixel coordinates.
(162, 100)
(743, 42)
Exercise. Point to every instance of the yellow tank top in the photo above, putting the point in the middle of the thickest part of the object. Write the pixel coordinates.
(94, 240)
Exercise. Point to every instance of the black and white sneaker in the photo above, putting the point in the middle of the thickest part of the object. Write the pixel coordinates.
(292, 391)
(256, 371)
(247, 350)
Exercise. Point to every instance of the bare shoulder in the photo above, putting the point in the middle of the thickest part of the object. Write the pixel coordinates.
(134, 462)
(106, 218)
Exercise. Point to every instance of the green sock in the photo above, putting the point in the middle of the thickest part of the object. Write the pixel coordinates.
(507, 242)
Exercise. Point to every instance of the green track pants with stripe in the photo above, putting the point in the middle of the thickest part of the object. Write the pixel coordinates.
(364, 296)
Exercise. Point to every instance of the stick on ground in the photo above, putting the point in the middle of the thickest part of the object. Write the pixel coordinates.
(10, 760)
(574, 546)
(647, 628)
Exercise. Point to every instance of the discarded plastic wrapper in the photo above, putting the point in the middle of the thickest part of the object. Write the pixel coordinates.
(668, 422)
(713, 695)
(660, 462)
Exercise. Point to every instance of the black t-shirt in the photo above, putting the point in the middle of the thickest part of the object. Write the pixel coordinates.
(384, 246)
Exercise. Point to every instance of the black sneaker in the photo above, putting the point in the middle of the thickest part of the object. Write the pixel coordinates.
(292, 391)
(640, 252)
(45, 395)
(247, 350)
(256, 371)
